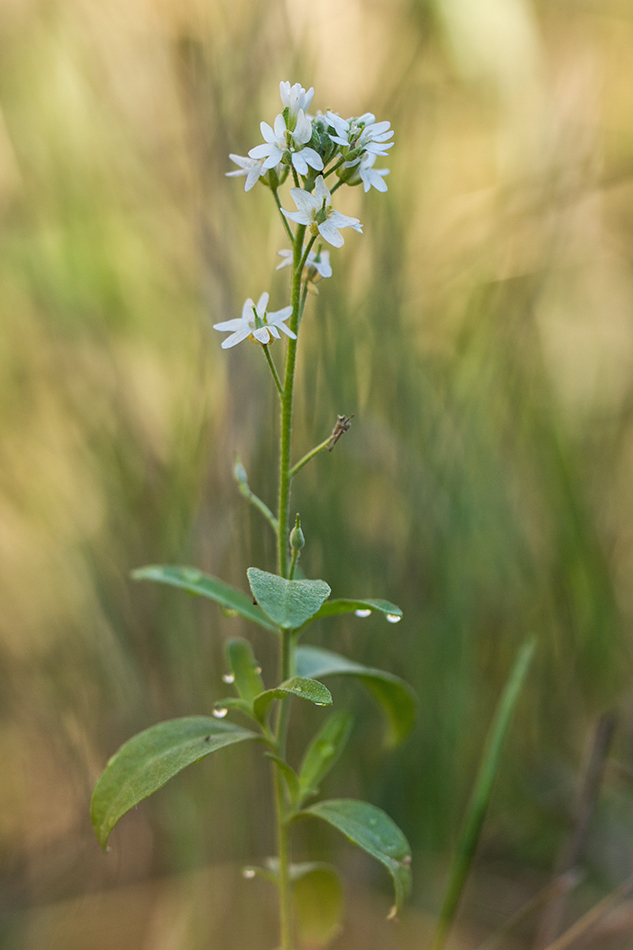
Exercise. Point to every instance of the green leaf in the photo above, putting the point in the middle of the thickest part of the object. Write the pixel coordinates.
(245, 669)
(203, 585)
(301, 686)
(373, 831)
(318, 903)
(346, 606)
(323, 752)
(143, 764)
(481, 793)
(289, 604)
(396, 697)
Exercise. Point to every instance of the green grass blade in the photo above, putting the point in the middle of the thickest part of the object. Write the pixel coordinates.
(481, 795)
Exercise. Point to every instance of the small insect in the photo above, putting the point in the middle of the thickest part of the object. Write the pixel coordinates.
(207, 738)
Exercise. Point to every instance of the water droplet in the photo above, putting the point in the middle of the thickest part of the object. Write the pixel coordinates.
(248, 873)
(228, 678)
(192, 575)
(299, 689)
(258, 669)
(362, 613)
(220, 712)
(393, 618)
(320, 704)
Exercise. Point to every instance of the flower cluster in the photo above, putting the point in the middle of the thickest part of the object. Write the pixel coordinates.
(311, 148)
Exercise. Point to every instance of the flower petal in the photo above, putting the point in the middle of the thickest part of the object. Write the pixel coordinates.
(261, 334)
(267, 133)
(322, 191)
(342, 220)
(313, 158)
(235, 338)
(287, 331)
(300, 163)
(300, 217)
(274, 158)
(261, 151)
(279, 315)
(280, 128)
(305, 201)
(262, 303)
(331, 235)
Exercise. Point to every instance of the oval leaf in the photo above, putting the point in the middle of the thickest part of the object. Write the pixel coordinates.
(143, 764)
(245, 669)
(203, 585)
(301, 686)
(323, 752)
(318, 903)
(375, 832)
(345, 606)
(396, 697)
(289, 603)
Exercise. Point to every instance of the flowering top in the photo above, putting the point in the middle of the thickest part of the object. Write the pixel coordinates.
(288, 145)
(317, 213)
(255, 324)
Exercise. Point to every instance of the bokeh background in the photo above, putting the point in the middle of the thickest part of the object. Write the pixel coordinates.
(481, 331)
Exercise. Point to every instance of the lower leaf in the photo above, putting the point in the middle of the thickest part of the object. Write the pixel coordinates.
(375, 832)
(148, 760)
(318, 903)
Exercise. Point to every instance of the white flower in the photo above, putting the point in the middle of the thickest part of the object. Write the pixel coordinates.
(251, 167)
(295, 98)
(317, 213)
(319, 261)
(362, 133)
(371, 176)
(282, 140)
(256, 324)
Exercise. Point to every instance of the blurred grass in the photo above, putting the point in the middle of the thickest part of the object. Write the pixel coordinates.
(480, 331)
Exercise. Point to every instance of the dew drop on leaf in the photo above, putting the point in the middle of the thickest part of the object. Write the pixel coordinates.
(362, 613)
(220, 712)
(248, 873)
(192, 575)
(228, 678)
(393, 618)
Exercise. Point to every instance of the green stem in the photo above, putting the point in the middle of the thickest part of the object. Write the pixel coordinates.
(286, 666)
(340, 162)
(273, 370)
(310, 455)
(283, 216)
(293, 563)
(286, 407)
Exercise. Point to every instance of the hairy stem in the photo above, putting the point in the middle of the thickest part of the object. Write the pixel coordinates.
(273, 370)
(286, 407)
(310, 455)
(283, 217)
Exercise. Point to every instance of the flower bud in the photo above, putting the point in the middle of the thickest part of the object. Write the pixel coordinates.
(297, 538)
(239, 472)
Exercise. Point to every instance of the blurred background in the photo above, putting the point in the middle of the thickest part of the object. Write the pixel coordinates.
(481, 331)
